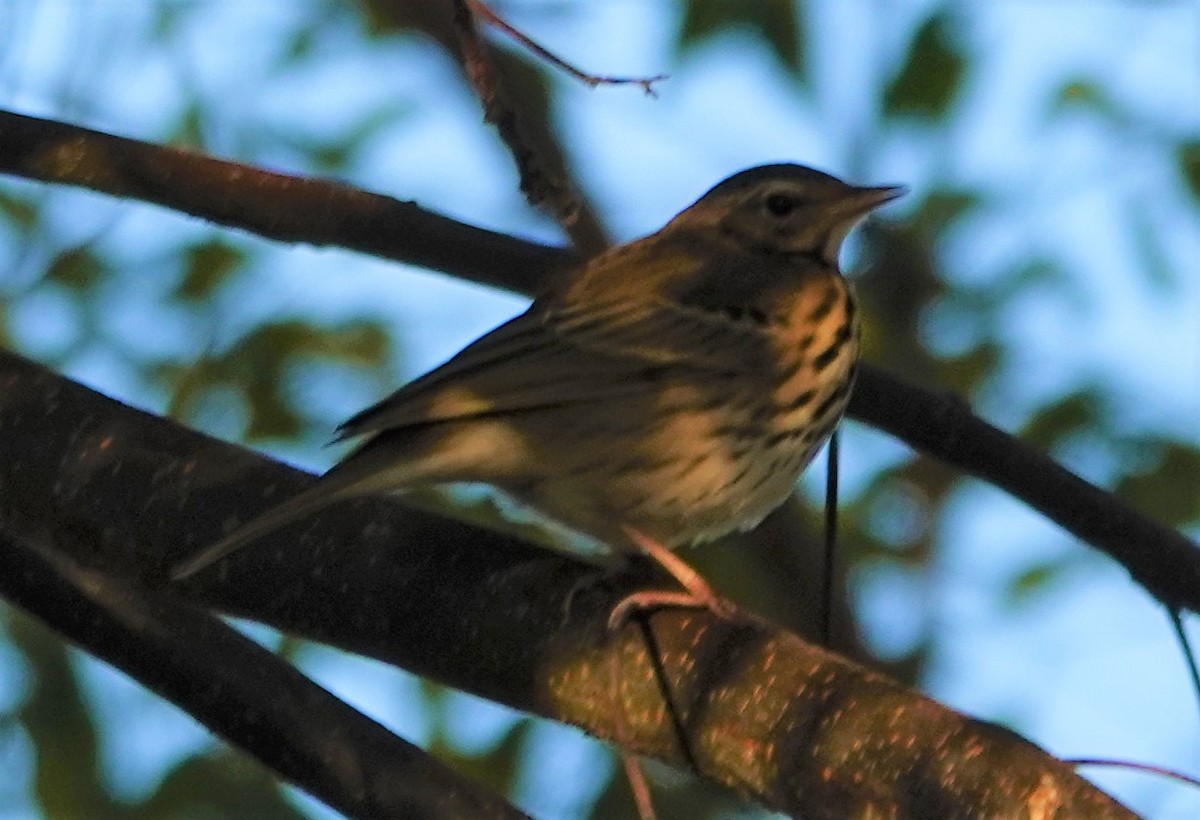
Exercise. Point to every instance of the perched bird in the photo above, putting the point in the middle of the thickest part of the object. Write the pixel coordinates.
(667, 392)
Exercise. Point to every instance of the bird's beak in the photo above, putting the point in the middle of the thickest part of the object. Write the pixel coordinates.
(846, 212)
(858, 201)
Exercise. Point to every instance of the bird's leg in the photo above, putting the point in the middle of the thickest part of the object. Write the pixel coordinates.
(698, 595)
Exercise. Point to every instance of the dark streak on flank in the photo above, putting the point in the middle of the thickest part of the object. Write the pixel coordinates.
(740, 313)
(737, 479)
(830, 299)
(851, 308)
(826, 356)
(832, 399)
(776, 439)
(763, 479)
(793, 369)
(694, 462)
(800, 401)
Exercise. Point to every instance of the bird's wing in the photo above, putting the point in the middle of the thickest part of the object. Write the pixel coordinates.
(552, 357)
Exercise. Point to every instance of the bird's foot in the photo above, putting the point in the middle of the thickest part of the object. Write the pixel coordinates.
(696, 594)
(647, 600)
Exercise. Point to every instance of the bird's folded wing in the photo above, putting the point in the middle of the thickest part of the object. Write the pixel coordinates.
(558, 357)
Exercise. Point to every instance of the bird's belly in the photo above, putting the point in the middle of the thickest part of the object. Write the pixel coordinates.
(733, 488)
(692, 469)
(697, 477)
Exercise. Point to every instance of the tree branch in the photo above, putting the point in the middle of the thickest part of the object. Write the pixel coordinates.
(237, 689)
(291, 209)
(275, 206)
(790, 725)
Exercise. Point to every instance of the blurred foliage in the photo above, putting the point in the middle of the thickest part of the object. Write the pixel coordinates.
(258, 363)
(231, 787)
(777, 23)
(68, 779)
(930, 76)
(1189, 165)
(925, 319)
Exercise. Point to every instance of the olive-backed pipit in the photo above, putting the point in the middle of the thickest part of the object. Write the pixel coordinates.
(666, 392)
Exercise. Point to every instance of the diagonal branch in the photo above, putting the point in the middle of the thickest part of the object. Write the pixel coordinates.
(785, 723)
(294, 209)
(540, 184)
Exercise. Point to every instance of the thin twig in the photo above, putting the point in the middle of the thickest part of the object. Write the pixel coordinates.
(541, 186)
(831, 521)
(638, 785)
(1185, 646)
(483, 11)
(1137, 767)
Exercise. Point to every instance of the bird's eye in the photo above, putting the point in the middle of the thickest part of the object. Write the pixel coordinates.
(781, 204)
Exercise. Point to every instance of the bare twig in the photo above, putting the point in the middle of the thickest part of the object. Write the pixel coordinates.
(540, 186)
(1148, 768)
(831, 522)
(483, 11)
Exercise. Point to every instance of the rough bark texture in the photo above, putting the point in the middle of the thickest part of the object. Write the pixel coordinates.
(789, 725)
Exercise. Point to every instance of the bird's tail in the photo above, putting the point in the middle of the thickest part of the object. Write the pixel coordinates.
(384, 463)
(309, 501)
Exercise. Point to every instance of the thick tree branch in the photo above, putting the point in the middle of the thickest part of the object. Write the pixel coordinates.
(786, 723)
(1162, 560)
(237, 689)
(321, 212)
(275, 206)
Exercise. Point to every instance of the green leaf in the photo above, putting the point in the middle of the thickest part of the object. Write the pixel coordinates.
(224, 785)
(1171, 490)
(775, 21)
(931, 75)
(1070, 414)
(965, 373)
(499, 766)
(1188, 155)
(76, 268)
(258, 364)
(942, 207)
(207, 266)
(22, 213)
(1081, 92)
(66, 747)
(1035, 580)
(365, 344)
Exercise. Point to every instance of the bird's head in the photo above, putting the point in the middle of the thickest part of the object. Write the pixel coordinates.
(787, 209)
